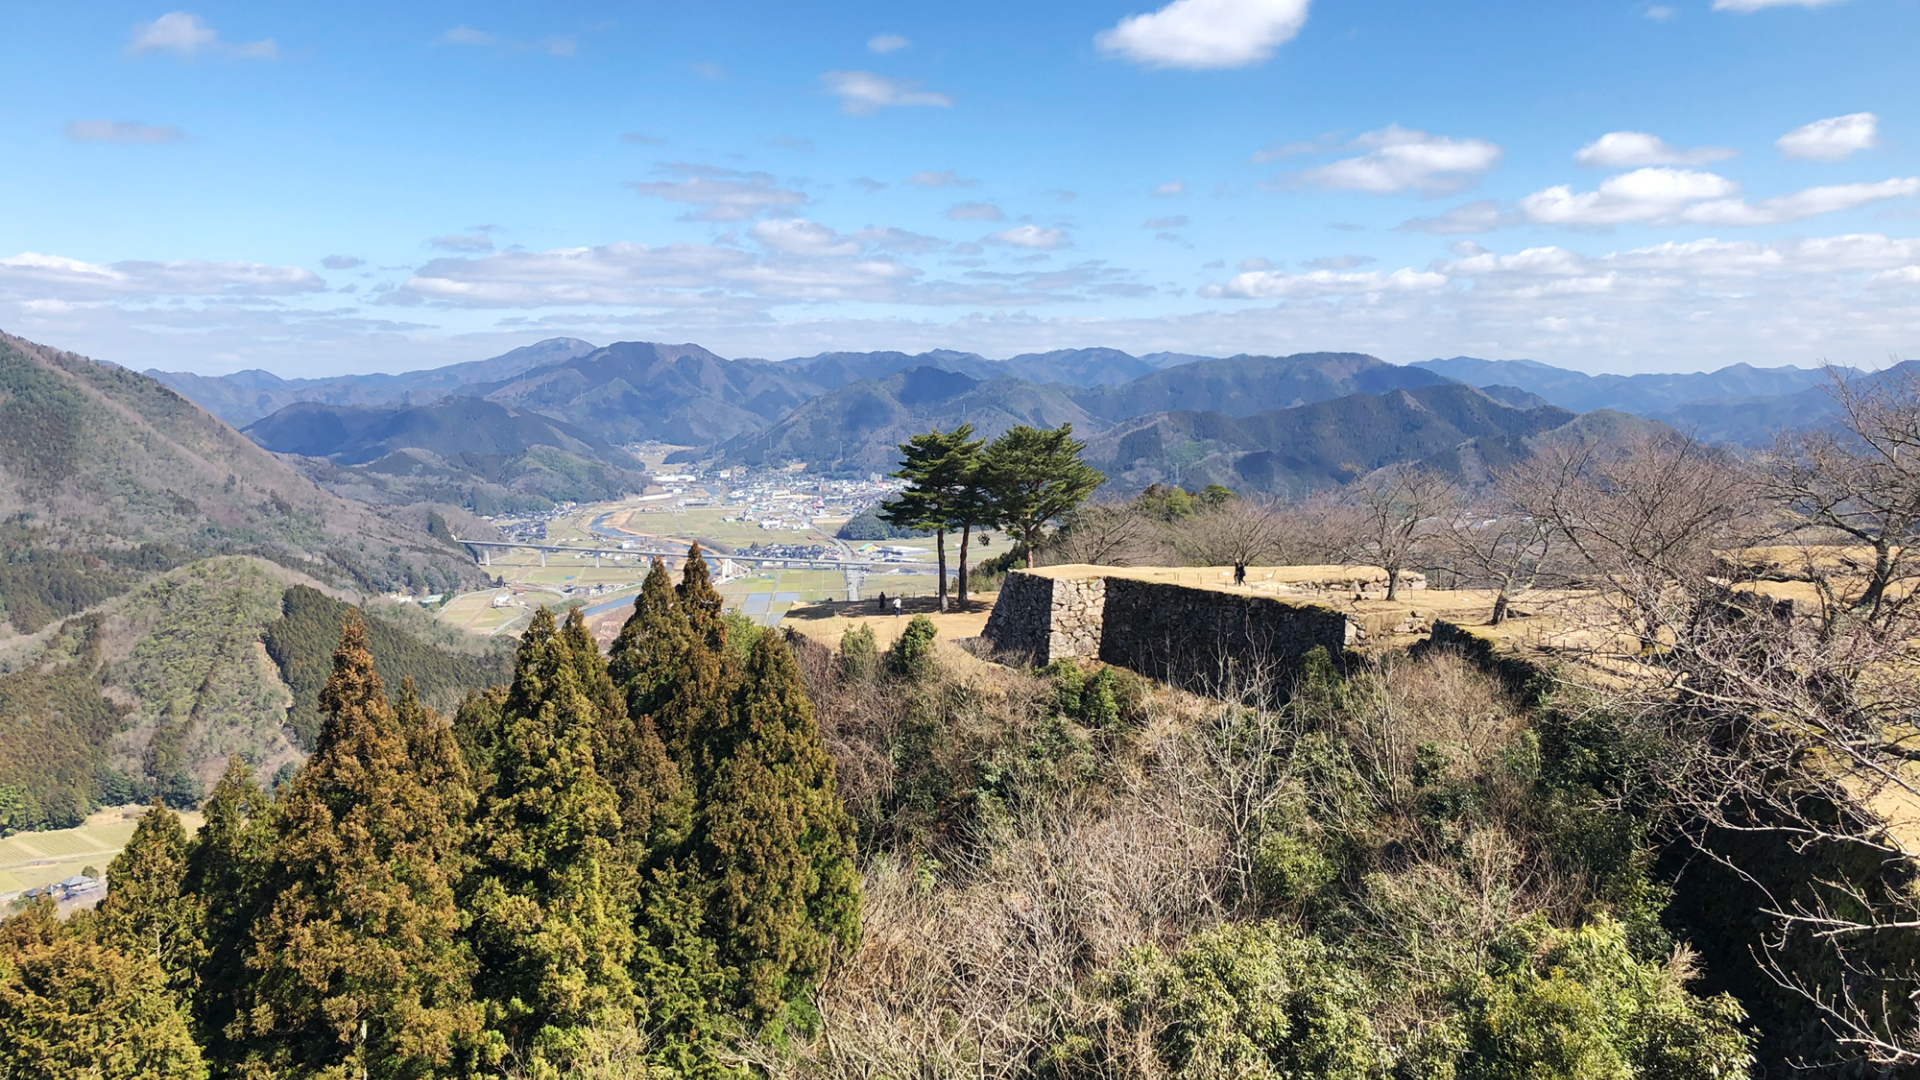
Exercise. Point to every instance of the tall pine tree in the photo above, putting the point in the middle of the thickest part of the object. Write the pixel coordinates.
(774, 842)
(359, 962)
(225, 867)
(74, 1004)
(551, 894)
(627, 750)
(147, 910)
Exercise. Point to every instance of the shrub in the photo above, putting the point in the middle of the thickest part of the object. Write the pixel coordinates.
(912, 656)
(859, 654)
(1571, 1004)
(1253, 1000)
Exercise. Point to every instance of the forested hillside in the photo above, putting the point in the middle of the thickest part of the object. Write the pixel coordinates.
(151, 693)
(1297, 451)
(462, 451)
(102, 468)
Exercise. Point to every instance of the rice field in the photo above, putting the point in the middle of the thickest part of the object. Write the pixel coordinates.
(29, 860)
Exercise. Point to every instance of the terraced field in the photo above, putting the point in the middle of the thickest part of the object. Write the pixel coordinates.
(28, 860)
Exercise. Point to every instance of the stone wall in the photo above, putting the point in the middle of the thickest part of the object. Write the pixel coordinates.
(1203, 637)
(1021, 623)
(1177, 633)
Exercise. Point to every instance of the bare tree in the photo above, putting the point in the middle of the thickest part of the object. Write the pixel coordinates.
(1862, 481)
(1394, 510)
(1784, 722)
(1643, 517)
(1105, 534)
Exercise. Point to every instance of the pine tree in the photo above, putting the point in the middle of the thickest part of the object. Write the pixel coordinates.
(225, 865)
(940, 469)
(550, 895)
(147, 911)
(647, 656)
(701, 601)
(359, 962)
(627, 751)
(74, 1005)
(774, 843)
(1031, 477)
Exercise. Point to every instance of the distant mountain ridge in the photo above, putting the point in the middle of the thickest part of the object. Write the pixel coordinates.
(1738, 404)
(1312, 447)
(246, 396)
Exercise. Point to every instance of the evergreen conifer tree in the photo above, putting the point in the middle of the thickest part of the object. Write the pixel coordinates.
(627, 751)
(550, 896)
(147, 911)
(774, 843)
(225, 865)
(700, 601)
(359, 962)
(72, 1004)
(646, 659)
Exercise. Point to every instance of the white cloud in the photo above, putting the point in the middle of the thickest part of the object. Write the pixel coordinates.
(886, 43)
(974, 211)
(342, 262)
(32, 273)
(1641, 195)
(1484, 215)
(1202, 34)
(721, 194)
(175, 32)
(799, 236)
(944, 178)
(1031, 236)
(185, 34)
(1170, 189)
(1337, 262)
(1319, 145)
(863, 93)
(1401, 159)
(888, 238)
(868, 184)
(553, 45)
(1255, 263)
(466, 35)
(1831, 139)
(1274, 284)
(1630, 149)
(123, 132)
(1684, 195)
(469, 242)
(1748, 6)
(1810, 202)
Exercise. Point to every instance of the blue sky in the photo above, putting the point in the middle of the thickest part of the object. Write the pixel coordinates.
(1611, 186)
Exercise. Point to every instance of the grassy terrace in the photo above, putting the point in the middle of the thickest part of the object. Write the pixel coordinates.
(29, 860)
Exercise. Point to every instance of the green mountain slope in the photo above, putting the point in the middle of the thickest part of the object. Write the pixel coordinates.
(100, 463)
(149, 694)
(1245, 385)
(635, 390)
(460, 450)
(855, 429)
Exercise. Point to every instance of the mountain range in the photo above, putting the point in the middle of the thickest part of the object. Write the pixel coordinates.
(566, 407)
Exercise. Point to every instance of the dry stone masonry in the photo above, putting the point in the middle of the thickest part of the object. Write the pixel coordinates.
(1178, 633)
